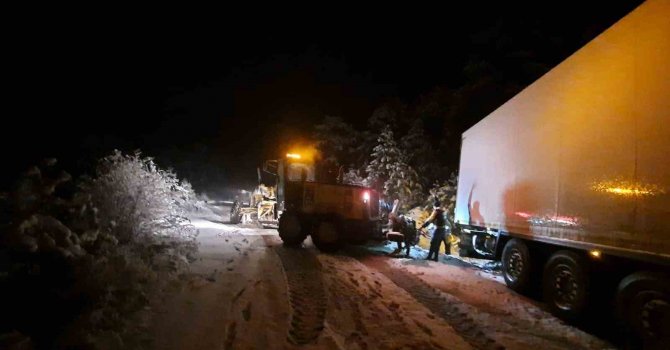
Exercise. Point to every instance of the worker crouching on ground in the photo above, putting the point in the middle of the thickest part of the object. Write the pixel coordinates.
(402, 230)
(439, 220)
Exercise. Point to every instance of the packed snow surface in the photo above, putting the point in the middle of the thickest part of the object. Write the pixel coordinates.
(248, 291)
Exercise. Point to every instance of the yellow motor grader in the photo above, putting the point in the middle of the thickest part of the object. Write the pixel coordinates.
(308, 199)
(260, 209)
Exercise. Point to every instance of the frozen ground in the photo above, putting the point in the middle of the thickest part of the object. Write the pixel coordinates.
(247, 291)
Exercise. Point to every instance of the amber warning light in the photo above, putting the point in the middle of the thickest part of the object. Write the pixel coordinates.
(293, 155)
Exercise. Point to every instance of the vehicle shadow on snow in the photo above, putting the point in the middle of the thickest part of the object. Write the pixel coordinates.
(416, 257)
(447, 260)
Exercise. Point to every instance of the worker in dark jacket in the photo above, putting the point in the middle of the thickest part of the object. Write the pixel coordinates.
(439, 220)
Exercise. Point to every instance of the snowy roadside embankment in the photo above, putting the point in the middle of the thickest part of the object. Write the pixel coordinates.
(80, 258)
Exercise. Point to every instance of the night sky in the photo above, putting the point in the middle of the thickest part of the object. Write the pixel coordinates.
(223, 91)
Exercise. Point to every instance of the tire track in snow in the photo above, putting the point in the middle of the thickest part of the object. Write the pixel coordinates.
(307, 296)
(444, 306)
(365, 319)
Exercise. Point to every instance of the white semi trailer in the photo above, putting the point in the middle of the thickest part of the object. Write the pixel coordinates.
(568, 183)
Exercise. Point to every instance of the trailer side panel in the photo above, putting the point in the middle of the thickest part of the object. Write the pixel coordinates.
(582, 154)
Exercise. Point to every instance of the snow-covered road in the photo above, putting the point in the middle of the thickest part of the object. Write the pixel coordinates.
(247, 291)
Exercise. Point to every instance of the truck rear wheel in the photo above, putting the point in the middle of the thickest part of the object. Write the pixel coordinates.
(643, 303)
(565, 284)
(327, 236)
(291, 231)
(516, 265)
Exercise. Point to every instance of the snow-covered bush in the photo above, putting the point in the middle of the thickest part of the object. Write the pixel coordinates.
(137, 200)
(73, 274)
(337, 141)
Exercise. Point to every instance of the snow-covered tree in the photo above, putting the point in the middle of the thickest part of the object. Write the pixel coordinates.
(445, 192)
(420, 153)
(337, 141)
(383, 117)
(388, 171)
(353, 177)
(384, 154)
(388, 115)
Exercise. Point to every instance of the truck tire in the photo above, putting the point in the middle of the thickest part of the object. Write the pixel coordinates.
(643, 303)
(291, 231)
(235, 214)
(516, 265)
(566, 284)
(327, 236)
